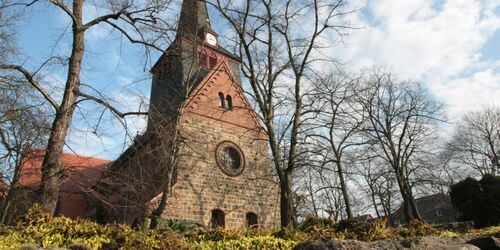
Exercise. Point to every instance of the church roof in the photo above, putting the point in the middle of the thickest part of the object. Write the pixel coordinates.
(79, 172)
(194, 18)
(193, 22)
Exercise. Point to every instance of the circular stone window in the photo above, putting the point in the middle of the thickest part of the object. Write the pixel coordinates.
(230, 158)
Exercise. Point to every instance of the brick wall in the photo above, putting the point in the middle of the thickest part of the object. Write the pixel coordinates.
(201, 185)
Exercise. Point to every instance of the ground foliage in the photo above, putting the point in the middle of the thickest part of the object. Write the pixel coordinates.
(40, 229)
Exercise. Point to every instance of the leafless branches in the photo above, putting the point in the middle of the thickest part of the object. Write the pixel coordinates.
(135, 20)
(336, 130)
(401, 124)
(277, 54)
(476, 143)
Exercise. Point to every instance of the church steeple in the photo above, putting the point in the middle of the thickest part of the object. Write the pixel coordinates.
(194, 18)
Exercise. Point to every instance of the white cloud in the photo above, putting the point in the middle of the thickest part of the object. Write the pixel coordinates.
(417, 40)
(436, 42)
(469, 93)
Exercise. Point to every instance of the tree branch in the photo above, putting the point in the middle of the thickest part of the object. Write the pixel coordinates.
(65, 8)
(131, 39)
(33, 82)
(104, 18)
(109, 106)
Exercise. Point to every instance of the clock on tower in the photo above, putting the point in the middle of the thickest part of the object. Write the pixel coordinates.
(211, 39)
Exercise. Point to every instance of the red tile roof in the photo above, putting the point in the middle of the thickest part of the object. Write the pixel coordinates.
(80, 173)
(363, 218)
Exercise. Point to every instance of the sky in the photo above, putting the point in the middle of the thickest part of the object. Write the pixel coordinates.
(452, 46)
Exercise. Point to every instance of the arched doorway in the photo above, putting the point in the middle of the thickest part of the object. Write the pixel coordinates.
(252, 220)
(218, 218)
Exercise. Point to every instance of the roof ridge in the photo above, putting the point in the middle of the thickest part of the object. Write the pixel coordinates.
(43, 151)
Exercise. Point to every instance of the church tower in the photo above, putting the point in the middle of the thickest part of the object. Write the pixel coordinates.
(194, 52)
(223, 174)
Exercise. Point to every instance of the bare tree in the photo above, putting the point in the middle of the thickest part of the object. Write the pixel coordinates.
(402, 119)
(336, 129)
(155, 153)
(21, 128)
(145, 170)
(330, 195)
(171, 139)
(7, 31)
(130, 19)
(378, 183)
(278, 52)
(476, 143)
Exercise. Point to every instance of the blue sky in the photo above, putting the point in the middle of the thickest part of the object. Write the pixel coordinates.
(452, 46)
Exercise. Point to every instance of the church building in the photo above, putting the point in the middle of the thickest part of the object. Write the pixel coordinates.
(202, 130)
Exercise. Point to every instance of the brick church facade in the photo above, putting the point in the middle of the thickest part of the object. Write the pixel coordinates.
(221, 168)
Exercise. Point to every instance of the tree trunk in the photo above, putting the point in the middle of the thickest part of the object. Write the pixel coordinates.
(156, 214)
(411, 202)
(8, 212)
(343, 188)
(172, 157)
(286, 199)
(372, 191)
(406, 206)
(51, 167)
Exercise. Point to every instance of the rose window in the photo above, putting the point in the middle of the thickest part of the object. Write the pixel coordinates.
(230, 158)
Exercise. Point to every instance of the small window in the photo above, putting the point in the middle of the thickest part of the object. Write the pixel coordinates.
(212, 61)
(439, 212)
(221, 100)
(203, 59)
(229, 101)
(252, 221)
(218, 218)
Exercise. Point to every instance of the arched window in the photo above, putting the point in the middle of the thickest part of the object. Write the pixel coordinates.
(203, 58)
(252, 220)
(212, 61)
(221, 99)
(218, 218)
(229, 101)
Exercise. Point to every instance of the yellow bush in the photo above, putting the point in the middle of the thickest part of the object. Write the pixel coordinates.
(413, 229)
(447, 233)
(253, 243)
(376, 230)
(487, 231)
(294, 235)
(40, 228)
(218, 234)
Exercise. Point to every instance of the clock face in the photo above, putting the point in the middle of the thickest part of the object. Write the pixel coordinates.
(211, 39)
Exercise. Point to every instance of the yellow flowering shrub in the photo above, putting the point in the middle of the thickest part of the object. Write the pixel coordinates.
(251, 243)
(41, 229)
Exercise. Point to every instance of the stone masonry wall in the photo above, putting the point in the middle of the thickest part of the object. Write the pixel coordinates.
(201, 185)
